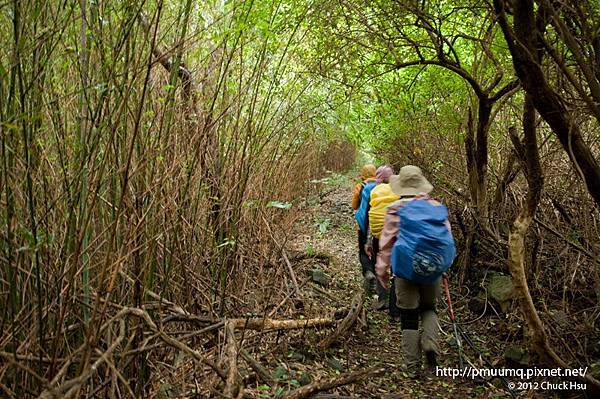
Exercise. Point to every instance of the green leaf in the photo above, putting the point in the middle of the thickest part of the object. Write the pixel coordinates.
(323, 225)
(228, 242)
(310, 250)
(280, 373)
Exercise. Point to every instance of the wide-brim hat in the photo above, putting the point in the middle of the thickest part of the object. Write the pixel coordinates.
(410, 181)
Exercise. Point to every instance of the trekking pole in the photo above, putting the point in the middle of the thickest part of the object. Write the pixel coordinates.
(453, 319)
(468, 340)
(459, 332)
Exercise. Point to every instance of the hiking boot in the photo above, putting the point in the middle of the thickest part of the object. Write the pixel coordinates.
(369, 282)
(381, 304)
(413, 373)
(431, 359)
(411, 346)
(430, 336)
(394, 312)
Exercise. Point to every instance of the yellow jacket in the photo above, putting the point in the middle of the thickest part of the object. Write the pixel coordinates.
(381, 197)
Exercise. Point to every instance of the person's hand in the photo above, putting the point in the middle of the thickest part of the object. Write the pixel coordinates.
(369, 250)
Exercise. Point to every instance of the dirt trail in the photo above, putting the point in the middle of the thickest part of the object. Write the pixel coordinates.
(327, 231)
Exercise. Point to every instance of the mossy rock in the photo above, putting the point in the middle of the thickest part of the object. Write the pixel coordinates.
(335, 364)
(517, 354)
(166, 391)
(502, 290)
(304, 379)
(320, 277)
(595, 370)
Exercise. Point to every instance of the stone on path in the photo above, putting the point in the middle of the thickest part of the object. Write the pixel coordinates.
(320, 277)
(517, 354)
(501, 289)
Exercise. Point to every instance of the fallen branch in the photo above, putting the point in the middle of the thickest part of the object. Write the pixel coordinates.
(233, 383)
(344, 379)
(175, 308)
(182, 338)
(178, 317)
(287, 297)
(343, 327)
(73, 385)
(170, 341)
(270, 324)
(291, 272)
(175, 343)
(258, 368)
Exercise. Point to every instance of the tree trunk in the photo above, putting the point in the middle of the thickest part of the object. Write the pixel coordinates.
(547, 102)
(470, 156)
(476, 148)
(508, 175)
(528, 155)
(481, 155)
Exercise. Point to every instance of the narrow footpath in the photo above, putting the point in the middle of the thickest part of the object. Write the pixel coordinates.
(325, 256)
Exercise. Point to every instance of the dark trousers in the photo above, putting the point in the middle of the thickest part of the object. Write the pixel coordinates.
(382, 292)
(375, 251)
(365, 260)
(394, 310)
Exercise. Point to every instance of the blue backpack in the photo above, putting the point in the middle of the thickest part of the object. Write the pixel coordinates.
(424, 247)
(361, 214)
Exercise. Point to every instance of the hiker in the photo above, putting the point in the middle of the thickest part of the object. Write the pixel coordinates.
(416, 243)
(363, 189)
(381, 197)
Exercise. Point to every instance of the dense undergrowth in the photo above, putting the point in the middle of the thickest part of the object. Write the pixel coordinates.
(147, 151)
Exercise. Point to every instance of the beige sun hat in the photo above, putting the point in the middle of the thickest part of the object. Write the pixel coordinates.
(410, 181)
